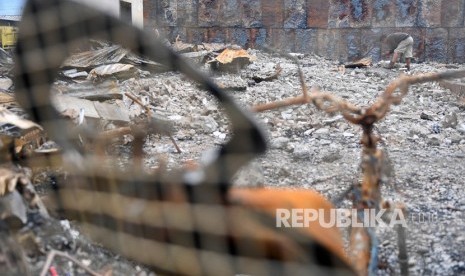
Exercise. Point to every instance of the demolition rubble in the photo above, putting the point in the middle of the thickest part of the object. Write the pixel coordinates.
(111, 89)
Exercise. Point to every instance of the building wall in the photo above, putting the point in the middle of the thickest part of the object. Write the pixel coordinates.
(113, 7)
(338, 29)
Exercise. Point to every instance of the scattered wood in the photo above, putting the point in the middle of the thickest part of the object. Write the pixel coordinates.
(231, 60)
(362, 63)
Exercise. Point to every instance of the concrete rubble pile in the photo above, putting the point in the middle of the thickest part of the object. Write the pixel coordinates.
(424, 136)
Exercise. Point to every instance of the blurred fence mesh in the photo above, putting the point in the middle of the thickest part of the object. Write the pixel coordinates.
(176, 222)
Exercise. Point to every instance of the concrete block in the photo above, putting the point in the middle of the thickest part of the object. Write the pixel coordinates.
(436, 45)
(188, 13)
(384, 13)
(360, 13)
(273, 13)
(251, 12)
(457, 45)
(208, 13)
(430, 13)
(339, 14)
(407, 12)
(452, 13)
(318, 13)
(306, 40)
(295, 14)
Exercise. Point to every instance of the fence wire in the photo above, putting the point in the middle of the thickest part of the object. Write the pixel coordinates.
(178, 222)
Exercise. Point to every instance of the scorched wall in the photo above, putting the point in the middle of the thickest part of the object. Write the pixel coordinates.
(338, 29)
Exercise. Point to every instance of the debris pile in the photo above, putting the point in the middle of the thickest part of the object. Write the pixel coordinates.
(117, 91)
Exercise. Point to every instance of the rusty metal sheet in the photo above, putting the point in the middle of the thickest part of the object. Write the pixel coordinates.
(89, 59)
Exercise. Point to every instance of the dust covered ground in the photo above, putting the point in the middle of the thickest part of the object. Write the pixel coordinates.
(424, 137)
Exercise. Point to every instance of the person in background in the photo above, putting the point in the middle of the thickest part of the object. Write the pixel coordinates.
(399, 43)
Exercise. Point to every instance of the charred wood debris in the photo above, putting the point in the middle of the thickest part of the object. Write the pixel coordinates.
(88, 92)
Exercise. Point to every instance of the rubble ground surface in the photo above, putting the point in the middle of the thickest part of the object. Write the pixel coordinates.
(424, 138)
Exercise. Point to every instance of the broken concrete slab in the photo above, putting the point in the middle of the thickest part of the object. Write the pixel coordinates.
(111, 112)
(94, 110)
